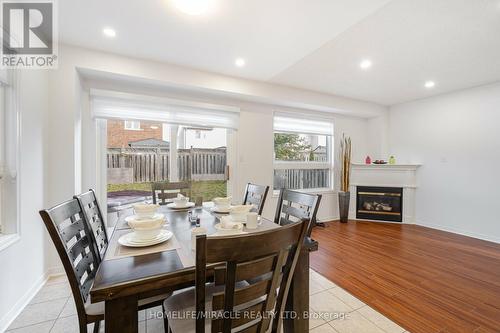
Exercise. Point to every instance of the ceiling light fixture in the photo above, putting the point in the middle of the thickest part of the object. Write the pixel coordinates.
(430, 84)
(240, 62)
(108, 32)
(194, 7)
(365, 64)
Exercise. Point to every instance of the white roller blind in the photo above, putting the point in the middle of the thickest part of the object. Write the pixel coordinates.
(113, 105)
(302, 124)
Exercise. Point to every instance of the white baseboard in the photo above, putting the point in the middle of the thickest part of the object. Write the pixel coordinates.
(9, 317)
(328, 219)
(459, 231)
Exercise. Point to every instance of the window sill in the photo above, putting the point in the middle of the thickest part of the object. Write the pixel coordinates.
(8, 240)
(309, 190)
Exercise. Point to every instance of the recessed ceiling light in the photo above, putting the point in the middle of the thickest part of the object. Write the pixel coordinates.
(240, 62)
(365, 64)
(194, 7)
(429, 84)
(108, 32)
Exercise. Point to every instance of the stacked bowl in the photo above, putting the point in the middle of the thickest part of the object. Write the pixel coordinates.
(147, 225)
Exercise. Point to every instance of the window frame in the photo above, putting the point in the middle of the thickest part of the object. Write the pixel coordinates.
(307, 165)
(10, 230)
(132, 128)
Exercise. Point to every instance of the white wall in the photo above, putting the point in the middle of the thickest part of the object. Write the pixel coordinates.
(457, 139)
(23, 264)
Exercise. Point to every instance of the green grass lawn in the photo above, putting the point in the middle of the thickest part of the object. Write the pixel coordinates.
(208, 189)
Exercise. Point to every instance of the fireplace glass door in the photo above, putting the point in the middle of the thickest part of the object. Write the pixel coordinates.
(379, 203)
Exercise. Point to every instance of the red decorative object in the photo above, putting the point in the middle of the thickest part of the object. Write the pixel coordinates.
(368, 160)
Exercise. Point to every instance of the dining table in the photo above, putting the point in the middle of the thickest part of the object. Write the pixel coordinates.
(127, 275)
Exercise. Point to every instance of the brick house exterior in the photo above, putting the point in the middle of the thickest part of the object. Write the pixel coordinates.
(119, 137)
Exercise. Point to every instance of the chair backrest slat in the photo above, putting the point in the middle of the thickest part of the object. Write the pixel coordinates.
(264, 260)
(73, 239)
(163, 191)
(93, 215)
(246, 270)
(296, 206)
(256, 195)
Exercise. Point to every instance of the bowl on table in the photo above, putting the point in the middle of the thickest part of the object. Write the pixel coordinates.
(145, 211)
(228, 227)
(147, 228)
(239, 213)
(222, 204)
(180, 201)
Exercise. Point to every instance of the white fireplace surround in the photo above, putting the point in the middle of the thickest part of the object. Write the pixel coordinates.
(386, 175)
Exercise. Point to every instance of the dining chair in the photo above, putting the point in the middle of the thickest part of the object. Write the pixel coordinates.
(93, 214)
(296, 206)
(256, 195)
(232, 302)
(72, 237)
(163, 192)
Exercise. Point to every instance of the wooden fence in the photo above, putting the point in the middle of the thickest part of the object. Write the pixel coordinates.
(148, 165)
(301, 178)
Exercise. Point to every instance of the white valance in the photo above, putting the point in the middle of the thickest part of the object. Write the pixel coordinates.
(284, 122)
(116, 105)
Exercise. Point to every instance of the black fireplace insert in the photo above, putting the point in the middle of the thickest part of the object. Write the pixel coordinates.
(379, 203)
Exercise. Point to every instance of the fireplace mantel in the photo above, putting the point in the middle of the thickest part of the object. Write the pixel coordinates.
(409, 167)
(387, 175)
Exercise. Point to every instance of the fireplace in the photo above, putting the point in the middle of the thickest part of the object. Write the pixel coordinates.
(379, 203)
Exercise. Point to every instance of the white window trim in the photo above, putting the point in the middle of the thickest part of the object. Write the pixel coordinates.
(11, 104)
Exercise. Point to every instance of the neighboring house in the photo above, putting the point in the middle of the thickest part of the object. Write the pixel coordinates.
(149, 143)
(122, 132)
(200, 137)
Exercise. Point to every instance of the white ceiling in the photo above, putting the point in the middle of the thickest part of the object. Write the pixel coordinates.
(315, 45)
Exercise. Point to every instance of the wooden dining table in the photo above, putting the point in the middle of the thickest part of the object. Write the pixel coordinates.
(124, 279)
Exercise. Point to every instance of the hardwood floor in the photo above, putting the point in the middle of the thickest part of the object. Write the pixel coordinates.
(426, 280)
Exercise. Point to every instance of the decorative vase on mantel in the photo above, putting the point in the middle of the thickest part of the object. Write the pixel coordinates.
(345, 174)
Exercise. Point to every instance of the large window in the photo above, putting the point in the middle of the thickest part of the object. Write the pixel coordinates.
(177, 141)
(8, 159)
(137, 158)
(2, 153)
(302, 153)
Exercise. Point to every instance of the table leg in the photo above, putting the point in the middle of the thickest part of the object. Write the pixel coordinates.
(298, 297)
(120, 315)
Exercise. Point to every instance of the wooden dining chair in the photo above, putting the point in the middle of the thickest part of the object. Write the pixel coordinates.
(296, 206)
(256, 195)
(93, 214)
(234, 303)
(72, 237)
(163, 192)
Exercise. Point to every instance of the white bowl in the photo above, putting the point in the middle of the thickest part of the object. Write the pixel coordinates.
(144, 234)
(146, 224)
(181, 202)
(239, 213)
(235, 229)
(144, 211)
(222, 202)
(240, 209)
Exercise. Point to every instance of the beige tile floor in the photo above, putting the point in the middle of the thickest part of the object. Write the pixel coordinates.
(333, 310)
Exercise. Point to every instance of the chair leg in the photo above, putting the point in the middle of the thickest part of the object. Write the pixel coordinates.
(97, 325)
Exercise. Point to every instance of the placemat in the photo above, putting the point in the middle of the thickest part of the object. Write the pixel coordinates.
(116, 251)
